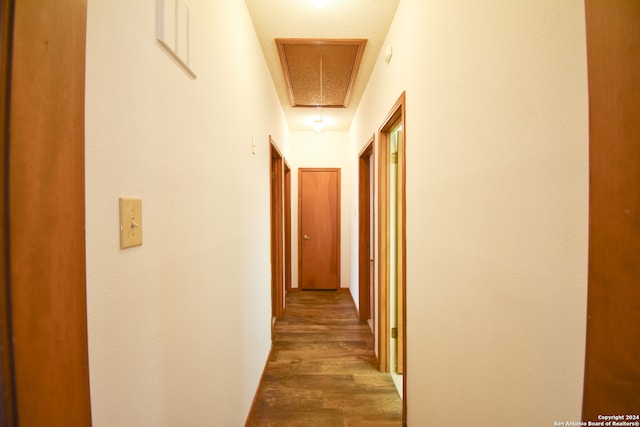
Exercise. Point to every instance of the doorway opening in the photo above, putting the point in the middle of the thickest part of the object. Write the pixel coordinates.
(392, 246)
(287, 227)
(395, 256)
(366, 278)
(277, 231)
(319, 228)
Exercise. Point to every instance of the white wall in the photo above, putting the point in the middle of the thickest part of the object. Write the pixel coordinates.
(497, 205)
(179, 328)
(309, 149)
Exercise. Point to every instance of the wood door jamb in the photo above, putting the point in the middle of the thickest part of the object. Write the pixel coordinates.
(396, 115)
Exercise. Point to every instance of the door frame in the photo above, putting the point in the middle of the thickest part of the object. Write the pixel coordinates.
(396, 115)
(338, 231)
(365, 220)
(287, 227)
(276, 186)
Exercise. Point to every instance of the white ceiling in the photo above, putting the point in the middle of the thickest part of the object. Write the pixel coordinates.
(340, 19)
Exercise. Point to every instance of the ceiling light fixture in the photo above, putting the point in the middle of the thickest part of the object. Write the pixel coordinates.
(318, 125)
(319, 4)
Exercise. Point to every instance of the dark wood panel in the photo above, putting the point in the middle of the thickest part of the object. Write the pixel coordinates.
(277, 231)
(364, 231)
(287, 226)
(612, 370)
(322, 370)
(319, 230)
(47, 213)
(7, 379)
(301, 63)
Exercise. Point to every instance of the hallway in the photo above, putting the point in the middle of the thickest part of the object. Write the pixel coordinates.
(178, 331)
(321, 370)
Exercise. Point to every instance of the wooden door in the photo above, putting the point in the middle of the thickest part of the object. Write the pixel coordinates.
(7, 372)
(365, 222)
(319, 228)
(287, 226)
(45, 286)
(612, 366)
(277, 232)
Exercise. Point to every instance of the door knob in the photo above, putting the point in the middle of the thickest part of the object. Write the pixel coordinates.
(305, 237)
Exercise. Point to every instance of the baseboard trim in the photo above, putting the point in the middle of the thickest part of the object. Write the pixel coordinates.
(353, 303)
(252, 409)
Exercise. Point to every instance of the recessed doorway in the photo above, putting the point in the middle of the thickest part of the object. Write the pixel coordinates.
(391, 156)
(366, 293)
(277, 231)
(319, 228)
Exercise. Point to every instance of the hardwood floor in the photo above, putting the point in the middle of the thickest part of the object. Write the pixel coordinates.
(321, 371)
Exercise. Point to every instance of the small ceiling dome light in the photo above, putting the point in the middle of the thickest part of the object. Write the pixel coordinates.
(318, 126)
(320, 3)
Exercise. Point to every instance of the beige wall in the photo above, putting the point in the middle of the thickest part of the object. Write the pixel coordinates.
(179, 329)
(497, 180)
(309, 149)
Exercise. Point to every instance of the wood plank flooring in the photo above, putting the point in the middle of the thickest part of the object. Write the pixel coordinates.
(321, 371)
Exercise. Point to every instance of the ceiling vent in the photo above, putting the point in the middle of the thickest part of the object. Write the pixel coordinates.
(301, 65)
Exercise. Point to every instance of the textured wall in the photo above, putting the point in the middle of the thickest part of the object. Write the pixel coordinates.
(179, 328)
(497, 206)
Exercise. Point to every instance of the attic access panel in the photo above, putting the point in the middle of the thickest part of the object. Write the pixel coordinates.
(300, 60)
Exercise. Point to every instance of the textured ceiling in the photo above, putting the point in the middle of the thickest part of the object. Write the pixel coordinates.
(338, 19)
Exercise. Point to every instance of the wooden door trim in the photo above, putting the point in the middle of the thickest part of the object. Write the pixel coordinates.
(612, 367)
(8, 404)
(364, 228)
(276, 170)
(338, 231)
(287, 226)
(396, 115)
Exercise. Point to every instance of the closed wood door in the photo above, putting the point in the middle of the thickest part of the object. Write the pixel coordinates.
(45, 365)
(319, 228)
(612, 371)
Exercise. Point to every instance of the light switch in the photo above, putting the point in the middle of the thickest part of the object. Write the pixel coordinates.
(130, 222)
